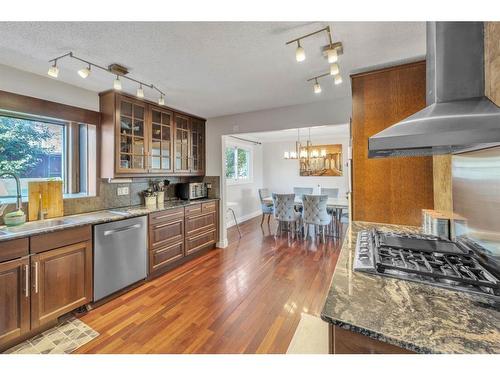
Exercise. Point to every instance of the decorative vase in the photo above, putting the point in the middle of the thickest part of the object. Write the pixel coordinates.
(160, 197)
(150, 201)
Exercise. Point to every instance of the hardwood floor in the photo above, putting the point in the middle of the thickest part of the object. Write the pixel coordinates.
(247, 298)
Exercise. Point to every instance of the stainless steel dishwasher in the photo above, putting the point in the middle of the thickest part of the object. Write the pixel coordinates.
(120, 255)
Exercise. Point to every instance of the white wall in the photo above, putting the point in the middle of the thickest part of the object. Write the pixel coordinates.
(246, 195)
(298, 116)
(281, 175)
(37, 86)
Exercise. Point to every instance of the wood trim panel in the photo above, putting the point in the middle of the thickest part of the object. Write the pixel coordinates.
(343, 341)
(390, 190)
(14, 249)
(53, 240)
(34, 106)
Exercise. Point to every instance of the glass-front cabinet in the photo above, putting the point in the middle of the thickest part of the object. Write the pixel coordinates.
(161, 140)
(141, 138)
(197, 146)
(132, 156)
(182, 154)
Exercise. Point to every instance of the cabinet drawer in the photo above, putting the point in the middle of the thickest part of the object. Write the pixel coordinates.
(209, 206)
(165, 255)
(162, 233)
(200, 223)
(14, 249)
(65, 237)
(200, 241)
(167, 215)
(194, 209)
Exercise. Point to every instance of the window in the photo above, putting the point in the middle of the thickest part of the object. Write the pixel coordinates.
(38, 149)
(238, 164)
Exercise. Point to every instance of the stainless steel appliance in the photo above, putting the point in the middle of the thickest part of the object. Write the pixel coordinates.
(426, 259)
(191, 190)
(458, 116)
(120, 255)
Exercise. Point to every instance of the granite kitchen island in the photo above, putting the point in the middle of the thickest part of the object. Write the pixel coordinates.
(407, 315)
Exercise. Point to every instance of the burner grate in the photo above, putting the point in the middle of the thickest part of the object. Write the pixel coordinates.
(462, 269)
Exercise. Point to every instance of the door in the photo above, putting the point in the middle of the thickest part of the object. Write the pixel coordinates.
(132, 148)
(120, 254)
(182, 152)
(161, 149)
(14, 299)
(197, 146)
(61, 281)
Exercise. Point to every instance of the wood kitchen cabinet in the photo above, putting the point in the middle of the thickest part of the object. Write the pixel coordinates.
(166, 238)
(14, 299)
(61, 281)
(140, 138)
(201, 226)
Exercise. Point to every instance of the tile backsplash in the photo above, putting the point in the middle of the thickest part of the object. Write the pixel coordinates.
(108, 195)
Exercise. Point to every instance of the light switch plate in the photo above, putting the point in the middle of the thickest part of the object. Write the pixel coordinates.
(123, 190)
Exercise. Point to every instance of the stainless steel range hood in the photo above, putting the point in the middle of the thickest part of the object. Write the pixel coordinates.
(458, 116)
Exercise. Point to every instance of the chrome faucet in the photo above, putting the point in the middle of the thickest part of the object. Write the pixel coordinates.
(19, 201)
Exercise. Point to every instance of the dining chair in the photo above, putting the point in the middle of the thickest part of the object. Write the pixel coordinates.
(300, 191)
(266, 207)
(284, 212)
(332, 193)
(315, 213)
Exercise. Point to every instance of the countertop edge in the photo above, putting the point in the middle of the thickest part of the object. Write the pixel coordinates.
(116, 217)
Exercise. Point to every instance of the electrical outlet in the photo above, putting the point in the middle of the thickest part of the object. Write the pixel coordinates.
(122, 190)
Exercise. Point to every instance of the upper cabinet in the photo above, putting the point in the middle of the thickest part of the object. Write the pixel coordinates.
(140, 138)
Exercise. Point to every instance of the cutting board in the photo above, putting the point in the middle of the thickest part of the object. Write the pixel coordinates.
(52, 199)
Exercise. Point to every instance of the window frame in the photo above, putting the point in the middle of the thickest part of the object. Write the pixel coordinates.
(71, 167)
(237, 180)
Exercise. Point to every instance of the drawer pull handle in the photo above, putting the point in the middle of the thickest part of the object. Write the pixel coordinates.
(165, 216)
(167, 224)
(36, 277)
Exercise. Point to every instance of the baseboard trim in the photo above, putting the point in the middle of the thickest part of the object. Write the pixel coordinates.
(222, 244)
(241, 219)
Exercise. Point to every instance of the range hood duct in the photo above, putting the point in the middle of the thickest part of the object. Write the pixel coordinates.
(458, 116)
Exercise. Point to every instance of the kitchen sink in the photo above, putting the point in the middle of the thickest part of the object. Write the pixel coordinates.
(34, 225)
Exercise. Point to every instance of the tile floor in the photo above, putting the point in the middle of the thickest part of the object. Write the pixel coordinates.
(62, 339)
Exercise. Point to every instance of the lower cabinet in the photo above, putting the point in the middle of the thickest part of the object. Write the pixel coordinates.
(61, 281)
(14, 299)
(177, 233)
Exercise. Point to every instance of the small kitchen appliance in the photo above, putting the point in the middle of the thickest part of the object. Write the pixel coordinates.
(191, 190)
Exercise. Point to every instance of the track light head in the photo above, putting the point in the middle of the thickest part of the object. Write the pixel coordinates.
(332, 55)
(85, 72)
(334, 69)
(117, 84)
(53, 70)
(317, 87)
(161, 101)
(337, 79)
(140, 92)
(300, 54)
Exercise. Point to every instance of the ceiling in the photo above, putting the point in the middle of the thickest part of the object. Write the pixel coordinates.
(290, 135)
(211, 68)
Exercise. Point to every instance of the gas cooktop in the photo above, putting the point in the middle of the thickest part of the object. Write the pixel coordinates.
(423, 258)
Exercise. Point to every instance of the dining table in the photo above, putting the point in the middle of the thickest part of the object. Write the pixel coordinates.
(336, 205)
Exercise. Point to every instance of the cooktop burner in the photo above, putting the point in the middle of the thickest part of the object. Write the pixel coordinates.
(423, 258)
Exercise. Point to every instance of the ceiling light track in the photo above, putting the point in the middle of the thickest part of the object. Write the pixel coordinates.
(114, 69)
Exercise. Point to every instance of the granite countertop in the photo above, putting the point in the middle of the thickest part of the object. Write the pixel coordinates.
(408, 314)
(96, 217)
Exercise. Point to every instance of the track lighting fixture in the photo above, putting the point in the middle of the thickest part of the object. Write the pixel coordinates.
(300, 54)
(53, 70)
(334, 69)
(337, 79)
(117, 70)
(332, 55)
(317, 87)
(117, 84)
(85, 72)
(140, 92)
